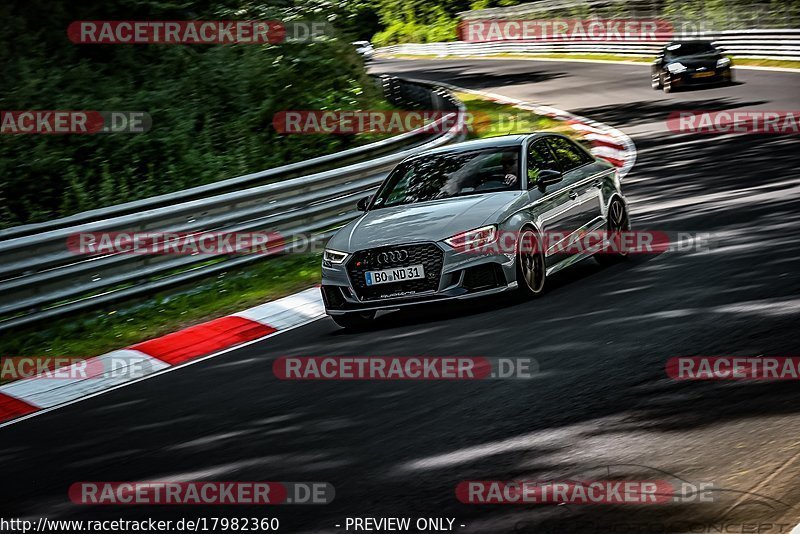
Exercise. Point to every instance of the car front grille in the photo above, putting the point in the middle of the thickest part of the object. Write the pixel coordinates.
(429, 255)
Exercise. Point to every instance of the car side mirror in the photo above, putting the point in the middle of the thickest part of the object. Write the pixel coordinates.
(549, 177)
(364, 203)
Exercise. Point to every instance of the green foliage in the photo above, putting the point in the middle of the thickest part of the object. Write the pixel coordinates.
(419, 21)
(211, 105)
(734, 14)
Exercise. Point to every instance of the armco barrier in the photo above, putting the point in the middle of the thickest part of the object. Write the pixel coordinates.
(41, 279)
(766, 44)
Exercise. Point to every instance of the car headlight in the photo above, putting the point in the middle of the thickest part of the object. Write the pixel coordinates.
(334, 256)
(676, 68)
(724, 62)
(474, 238)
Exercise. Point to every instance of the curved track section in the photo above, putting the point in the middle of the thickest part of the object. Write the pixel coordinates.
(601, 337)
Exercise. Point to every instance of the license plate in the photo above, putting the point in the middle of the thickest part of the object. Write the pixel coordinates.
(703, 74)
(395, 274)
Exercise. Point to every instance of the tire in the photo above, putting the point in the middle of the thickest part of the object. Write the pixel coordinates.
(655, 80)
(727, 77)
(531, 267)
(354, 320)
(666, 84)
(618, 221)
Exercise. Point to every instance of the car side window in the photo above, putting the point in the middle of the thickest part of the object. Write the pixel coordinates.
(540, 158)
(569, 155)
(400, 190)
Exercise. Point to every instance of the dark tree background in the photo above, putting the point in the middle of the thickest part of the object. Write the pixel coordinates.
(211, 105)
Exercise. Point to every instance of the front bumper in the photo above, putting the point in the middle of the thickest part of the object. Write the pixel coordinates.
(450, 275)
(693, 77)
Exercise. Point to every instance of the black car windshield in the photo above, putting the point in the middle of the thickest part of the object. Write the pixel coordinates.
(690, 49)
(451, 174)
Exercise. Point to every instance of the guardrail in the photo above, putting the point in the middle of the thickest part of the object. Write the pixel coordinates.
(40, 278)
(766, 44)
(730, 15)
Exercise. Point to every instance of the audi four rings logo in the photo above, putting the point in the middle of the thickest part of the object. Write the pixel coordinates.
(393, 256)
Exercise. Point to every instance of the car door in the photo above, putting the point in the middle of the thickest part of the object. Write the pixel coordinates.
(551, 199)
(582, 180)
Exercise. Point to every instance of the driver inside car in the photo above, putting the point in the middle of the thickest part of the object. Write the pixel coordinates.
(509, 164)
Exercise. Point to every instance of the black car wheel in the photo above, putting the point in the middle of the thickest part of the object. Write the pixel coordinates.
(355, 320)
(666, 83)
(531, 267)
(727, 76)
(655, 80)
(618, 221)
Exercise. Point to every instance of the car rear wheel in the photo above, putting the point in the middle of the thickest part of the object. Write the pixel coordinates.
(618, 221)
(354, 320)
(531, 267)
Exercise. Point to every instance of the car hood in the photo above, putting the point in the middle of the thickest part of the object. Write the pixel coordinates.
(427, 221)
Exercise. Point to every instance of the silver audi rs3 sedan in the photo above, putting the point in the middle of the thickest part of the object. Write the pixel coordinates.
(470, 219)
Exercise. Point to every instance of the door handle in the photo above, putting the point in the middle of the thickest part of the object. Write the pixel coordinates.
(573, 194)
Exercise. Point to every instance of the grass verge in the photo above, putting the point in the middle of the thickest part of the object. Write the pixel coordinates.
(90, 334)
(490, 119)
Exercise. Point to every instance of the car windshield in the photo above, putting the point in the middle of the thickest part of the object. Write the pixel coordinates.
(690, 49)
(451, 174)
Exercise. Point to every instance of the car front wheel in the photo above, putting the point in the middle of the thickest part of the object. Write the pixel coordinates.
(727, 76)
(618, 222)
(531, 267)
(666, 83)
(655, 80)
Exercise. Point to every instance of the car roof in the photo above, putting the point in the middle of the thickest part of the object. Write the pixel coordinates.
(693, 41)
(488, 142)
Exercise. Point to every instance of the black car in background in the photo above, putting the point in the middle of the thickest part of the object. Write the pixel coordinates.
(687, 63)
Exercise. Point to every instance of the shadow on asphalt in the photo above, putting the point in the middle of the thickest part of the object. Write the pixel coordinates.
(740, 298)
(602, 337)
(466, 76)
(453, 310)
(646, 112)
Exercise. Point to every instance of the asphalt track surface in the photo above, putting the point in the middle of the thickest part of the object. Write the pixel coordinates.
(602, 406)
